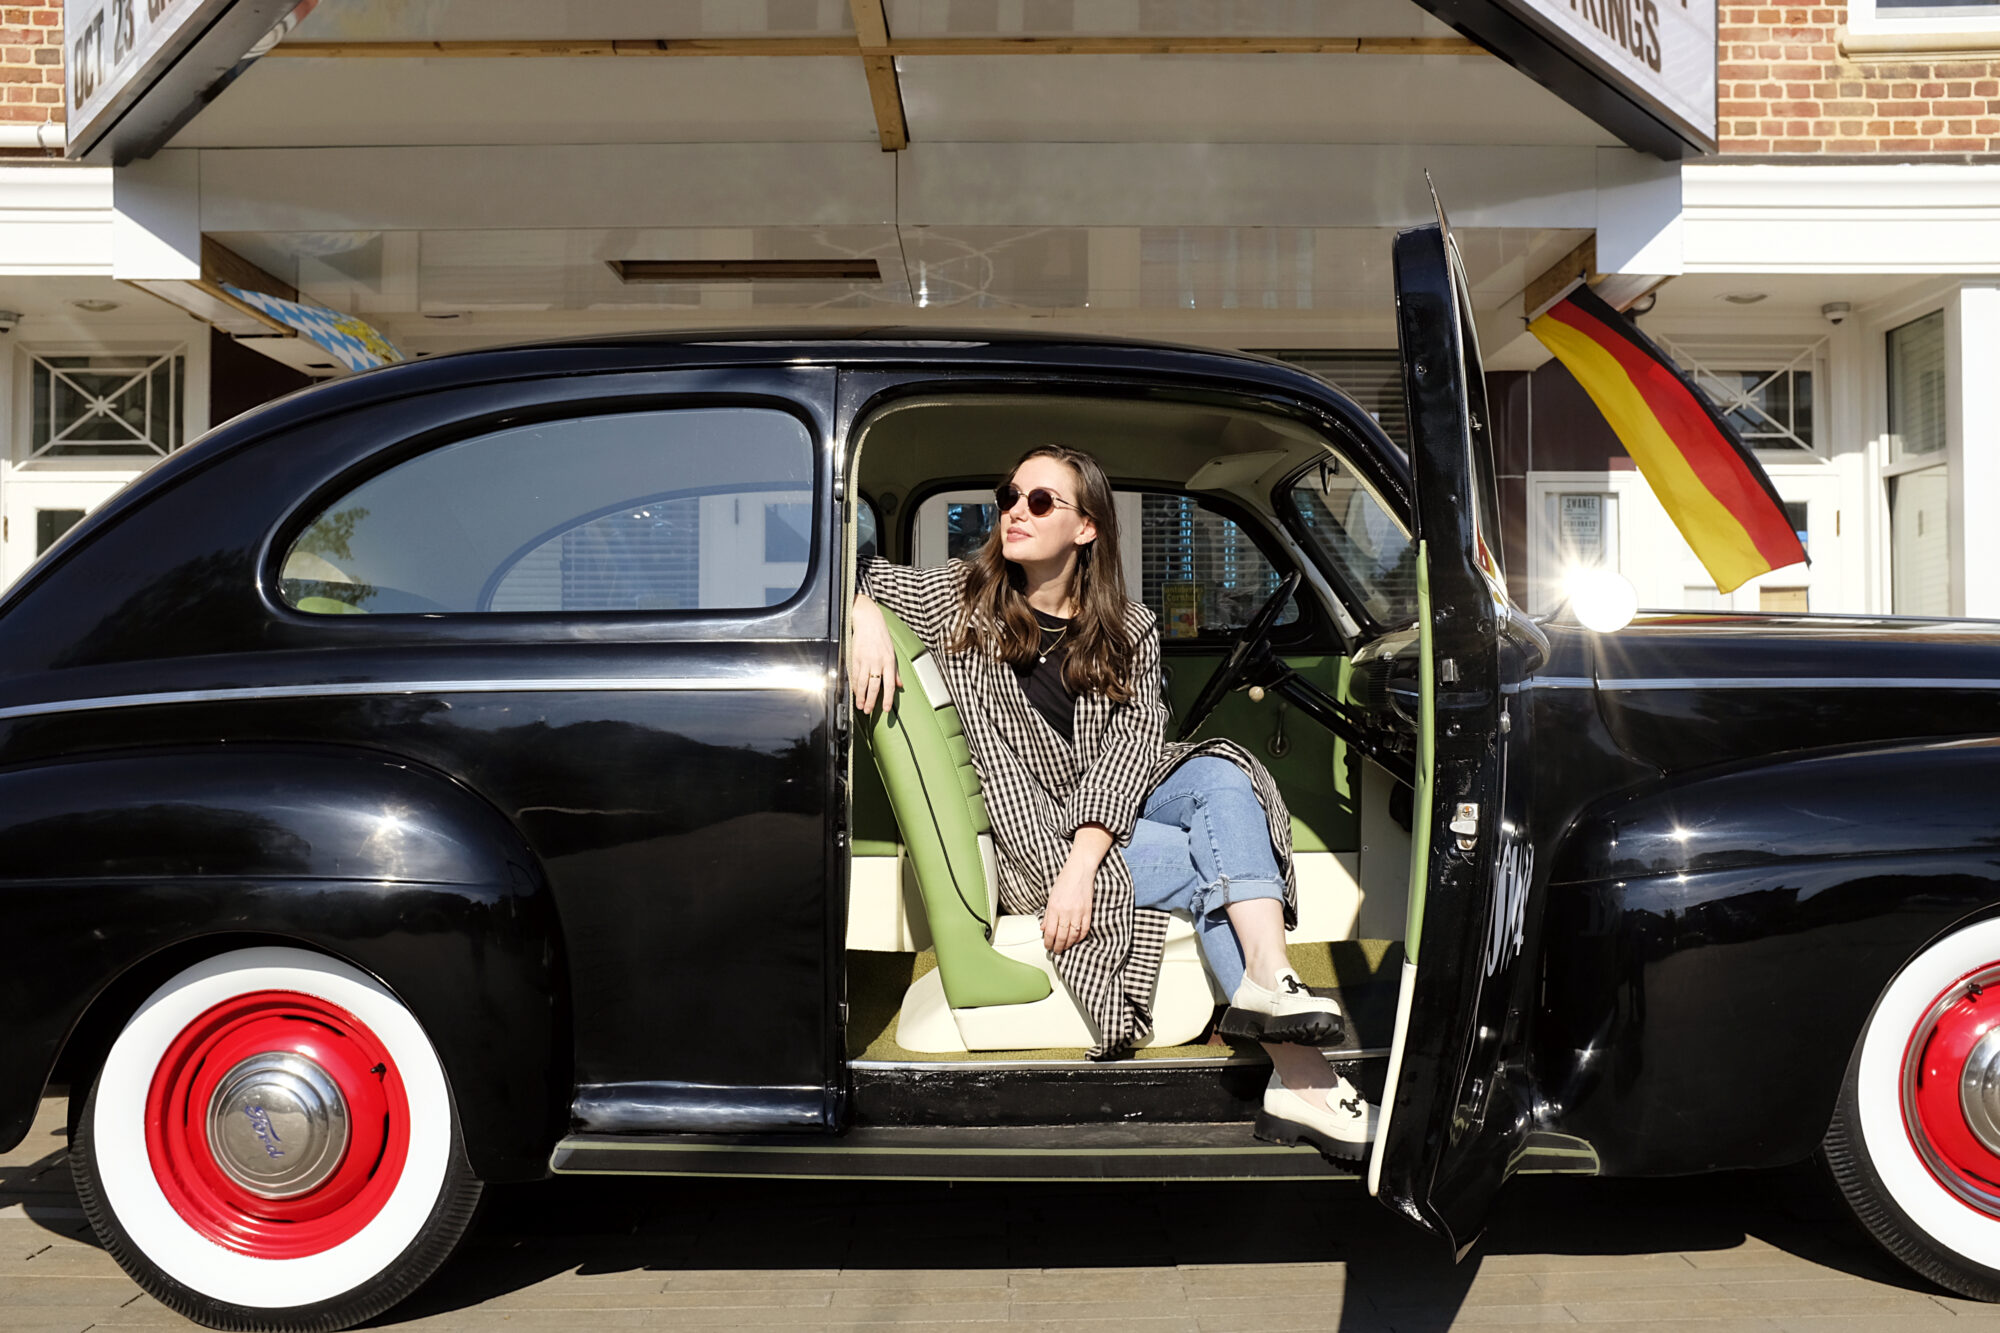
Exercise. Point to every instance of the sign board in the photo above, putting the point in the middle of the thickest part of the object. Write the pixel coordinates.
(1581, 534)
(117, 48)
(140, 69)
(1643, 69)
(1660, 53)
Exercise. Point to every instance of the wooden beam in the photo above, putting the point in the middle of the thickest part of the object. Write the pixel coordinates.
(885, 94)
(1619, 290)
(220, 264)
(1579, 265)
(842, 45)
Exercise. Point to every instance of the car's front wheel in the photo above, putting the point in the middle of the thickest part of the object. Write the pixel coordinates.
(270, 1143)
(1915, 1139)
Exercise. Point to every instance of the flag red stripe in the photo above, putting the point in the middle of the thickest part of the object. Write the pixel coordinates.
(1708, 452)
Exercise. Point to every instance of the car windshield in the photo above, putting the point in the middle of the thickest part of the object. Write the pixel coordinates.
(1359, 540)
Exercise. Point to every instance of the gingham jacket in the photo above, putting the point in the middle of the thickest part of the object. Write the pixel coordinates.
(1040, 789)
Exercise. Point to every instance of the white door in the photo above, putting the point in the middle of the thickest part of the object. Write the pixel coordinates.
(1613, 519)
(35, 511)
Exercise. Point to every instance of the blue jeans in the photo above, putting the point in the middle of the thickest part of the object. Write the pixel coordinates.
(1202, 842)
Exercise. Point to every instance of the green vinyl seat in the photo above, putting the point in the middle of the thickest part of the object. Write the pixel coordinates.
(995, 987)
(926, 767)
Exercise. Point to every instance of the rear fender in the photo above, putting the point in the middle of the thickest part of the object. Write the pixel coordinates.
(125, 868)
(1714, 945)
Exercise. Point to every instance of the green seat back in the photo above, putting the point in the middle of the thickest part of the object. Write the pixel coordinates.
(926, 767)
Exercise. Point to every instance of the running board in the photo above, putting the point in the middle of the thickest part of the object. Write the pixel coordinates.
(1025, 1153)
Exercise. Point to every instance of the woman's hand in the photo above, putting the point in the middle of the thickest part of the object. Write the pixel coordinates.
(871, 657)
(1066, 920)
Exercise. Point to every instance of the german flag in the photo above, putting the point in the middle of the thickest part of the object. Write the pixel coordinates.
(1712, 486)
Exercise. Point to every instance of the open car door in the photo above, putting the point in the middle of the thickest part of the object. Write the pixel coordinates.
(1458, 1112)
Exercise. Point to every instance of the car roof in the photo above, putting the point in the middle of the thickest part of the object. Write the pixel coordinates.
(854, 346)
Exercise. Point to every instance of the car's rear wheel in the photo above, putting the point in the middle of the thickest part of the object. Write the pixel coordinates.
(270, 1143)
(1915, 1139)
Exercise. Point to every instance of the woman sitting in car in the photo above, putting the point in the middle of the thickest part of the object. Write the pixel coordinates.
(1102, 827)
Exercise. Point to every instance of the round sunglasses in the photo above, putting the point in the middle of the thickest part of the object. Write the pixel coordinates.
(1041, 500)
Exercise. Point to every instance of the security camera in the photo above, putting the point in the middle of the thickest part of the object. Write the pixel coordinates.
(1835, 311)
(8, 319)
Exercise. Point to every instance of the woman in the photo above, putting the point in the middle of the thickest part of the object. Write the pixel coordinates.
(1100, 826)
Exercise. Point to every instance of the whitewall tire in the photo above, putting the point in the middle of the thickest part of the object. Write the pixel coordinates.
(1915, 1139)
(270, 1143)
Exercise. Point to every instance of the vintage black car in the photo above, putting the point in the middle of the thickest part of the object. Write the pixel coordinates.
(446, 776)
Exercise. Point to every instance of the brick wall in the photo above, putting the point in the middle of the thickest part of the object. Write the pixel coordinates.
(31, 61)
(1784, 87)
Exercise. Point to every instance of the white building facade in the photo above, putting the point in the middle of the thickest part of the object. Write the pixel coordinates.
(463, 174)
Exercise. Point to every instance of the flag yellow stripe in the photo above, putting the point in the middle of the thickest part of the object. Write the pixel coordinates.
(1719, 540)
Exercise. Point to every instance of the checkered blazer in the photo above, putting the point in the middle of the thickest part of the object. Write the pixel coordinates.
(1040, 789)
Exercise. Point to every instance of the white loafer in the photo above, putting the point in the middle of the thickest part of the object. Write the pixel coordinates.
(1289, 1013)
(1342, 1132)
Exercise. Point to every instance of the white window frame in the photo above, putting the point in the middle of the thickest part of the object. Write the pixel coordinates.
(1698, 355)
(1871, 30)
(20, 453)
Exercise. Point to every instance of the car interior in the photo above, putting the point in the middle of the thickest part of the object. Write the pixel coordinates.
(1216, 504)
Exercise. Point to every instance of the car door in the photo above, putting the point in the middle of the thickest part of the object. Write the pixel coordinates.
(1458, 1105)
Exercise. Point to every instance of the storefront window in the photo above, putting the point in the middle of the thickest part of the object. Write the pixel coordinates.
(1919, 489)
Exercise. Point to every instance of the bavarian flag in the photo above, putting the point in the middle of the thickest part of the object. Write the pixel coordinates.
(1712, 487)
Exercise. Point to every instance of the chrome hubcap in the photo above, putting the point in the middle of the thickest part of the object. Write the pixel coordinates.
(278, 1125)
(1979, 1091)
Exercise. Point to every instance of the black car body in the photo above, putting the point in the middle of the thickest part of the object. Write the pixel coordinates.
(1662, 879)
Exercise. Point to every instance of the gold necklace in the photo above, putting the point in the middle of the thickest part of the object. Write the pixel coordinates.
(1050, 646)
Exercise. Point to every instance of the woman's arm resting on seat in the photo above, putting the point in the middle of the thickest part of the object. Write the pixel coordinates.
(871, 657)
(1066, 920)
(925, 599)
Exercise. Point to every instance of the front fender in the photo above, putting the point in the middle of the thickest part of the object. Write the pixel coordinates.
(124, 868)
(1715, 944)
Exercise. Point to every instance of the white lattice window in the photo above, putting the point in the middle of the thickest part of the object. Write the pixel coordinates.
(105, 405)
(1765, 392)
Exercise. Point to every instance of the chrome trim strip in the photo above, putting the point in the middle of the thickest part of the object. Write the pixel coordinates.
(1136, 1062)
(1801, 683)
(836, 1148)
(1549, 683)
(809, 682)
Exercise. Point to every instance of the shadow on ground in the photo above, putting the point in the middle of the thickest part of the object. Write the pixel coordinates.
(1392, 1272)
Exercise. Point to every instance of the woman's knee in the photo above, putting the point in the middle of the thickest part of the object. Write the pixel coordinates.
(1217, 776)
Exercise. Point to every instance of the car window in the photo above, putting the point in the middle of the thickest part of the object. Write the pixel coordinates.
(694, 509)
(1193, 564)
(1367, 548)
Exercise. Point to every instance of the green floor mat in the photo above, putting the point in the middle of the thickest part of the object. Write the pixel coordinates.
(1361, 973)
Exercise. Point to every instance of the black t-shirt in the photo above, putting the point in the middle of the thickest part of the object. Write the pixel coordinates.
(1042, 678)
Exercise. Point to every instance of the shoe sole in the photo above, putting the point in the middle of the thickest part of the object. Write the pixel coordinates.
(1315, 1029)
(1290, 1133)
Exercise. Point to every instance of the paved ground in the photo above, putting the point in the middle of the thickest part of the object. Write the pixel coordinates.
(1708, 1256)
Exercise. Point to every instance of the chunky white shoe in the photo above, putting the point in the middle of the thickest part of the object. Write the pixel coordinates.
(1344, 1132)
(1288, 1013)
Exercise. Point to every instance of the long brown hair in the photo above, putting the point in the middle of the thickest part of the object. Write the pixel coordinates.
(998, 617)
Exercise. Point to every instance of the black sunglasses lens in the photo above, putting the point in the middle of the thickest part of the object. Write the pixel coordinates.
(1040, 500)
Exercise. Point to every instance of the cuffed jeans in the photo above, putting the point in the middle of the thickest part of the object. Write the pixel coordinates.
(1202, 842)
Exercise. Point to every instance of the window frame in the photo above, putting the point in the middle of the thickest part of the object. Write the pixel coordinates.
(192, 414)
(1707, 359)
(1311, 632)
(1295, 524)
(322, 498)
(1869, 31)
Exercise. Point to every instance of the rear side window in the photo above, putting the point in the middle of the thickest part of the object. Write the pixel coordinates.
(680, 510)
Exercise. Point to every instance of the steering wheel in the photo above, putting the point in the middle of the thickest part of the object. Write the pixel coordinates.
(1242, 653)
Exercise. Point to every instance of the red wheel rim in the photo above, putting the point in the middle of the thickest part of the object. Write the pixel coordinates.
(184, 1155)
(1948, 1104)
